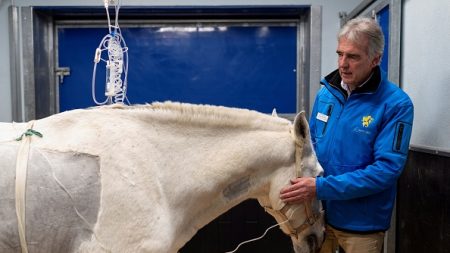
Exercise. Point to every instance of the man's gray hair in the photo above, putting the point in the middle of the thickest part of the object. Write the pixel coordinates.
(355, 28)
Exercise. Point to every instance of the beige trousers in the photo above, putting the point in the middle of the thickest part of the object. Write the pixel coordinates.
(351, 242)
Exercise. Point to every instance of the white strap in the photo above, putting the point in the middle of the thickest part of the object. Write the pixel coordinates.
(21, 183)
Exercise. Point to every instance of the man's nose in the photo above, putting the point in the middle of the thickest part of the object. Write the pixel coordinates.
(343, 62)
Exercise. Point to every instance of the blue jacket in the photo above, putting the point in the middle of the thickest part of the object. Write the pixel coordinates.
(362, 142)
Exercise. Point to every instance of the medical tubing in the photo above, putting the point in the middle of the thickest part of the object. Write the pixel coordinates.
(264, 234)
(107, 14)
(115, 53)
(123, 95)
(117, 7)
(115, 67)
(117, 62)
(120, 87)
(96, 60)
(257, 238)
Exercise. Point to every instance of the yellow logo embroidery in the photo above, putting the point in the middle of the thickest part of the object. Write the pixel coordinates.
(366, 120)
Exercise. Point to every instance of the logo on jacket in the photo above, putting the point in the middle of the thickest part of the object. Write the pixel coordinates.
(366, 120)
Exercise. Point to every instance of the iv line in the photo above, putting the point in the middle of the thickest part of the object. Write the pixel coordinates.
(117, 62)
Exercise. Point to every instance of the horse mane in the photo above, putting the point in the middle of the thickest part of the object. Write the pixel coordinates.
(207, 115)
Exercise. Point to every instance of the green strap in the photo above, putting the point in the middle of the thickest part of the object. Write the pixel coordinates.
(29, 132)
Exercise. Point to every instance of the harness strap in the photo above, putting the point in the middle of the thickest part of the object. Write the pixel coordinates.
(21, 181)
(291, 230)
(310, 217)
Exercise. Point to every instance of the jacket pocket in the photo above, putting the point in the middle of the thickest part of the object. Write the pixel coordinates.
(323, 118)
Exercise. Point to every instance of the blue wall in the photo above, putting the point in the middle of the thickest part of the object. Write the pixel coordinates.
(239, 66)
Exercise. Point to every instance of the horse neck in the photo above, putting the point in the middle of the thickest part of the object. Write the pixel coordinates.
(238, 167)
(230, 192)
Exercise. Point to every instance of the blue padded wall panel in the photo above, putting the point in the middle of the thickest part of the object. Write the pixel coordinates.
(239, 66)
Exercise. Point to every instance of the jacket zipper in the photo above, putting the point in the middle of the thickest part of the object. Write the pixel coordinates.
(333, 135)
(328, 113)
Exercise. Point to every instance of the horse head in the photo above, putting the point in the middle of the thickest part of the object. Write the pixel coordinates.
(304, 222)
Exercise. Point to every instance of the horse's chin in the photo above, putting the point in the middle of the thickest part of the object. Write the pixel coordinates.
(309, 245)
(310, 240)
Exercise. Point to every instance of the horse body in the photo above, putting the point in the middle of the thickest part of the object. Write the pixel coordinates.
(166, 170)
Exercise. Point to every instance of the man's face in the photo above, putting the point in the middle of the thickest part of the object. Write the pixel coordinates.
(354, 63)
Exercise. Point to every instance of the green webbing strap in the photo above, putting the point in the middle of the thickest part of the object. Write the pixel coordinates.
(29, 132)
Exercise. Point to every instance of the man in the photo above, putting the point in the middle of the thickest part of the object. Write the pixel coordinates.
(360, 126)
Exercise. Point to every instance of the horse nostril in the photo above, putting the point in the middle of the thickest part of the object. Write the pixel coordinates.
(312, 243)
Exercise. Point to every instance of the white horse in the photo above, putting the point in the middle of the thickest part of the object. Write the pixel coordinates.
(147, 178)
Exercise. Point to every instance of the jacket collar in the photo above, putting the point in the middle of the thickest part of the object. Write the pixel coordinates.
(334, 80)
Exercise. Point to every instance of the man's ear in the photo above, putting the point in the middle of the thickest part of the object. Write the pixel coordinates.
(274, 112)
(376, 61)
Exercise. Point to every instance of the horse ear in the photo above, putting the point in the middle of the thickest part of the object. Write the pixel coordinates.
(274, 112)
(301, 127)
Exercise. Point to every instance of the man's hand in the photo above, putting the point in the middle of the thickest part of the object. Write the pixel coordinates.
(301, 189)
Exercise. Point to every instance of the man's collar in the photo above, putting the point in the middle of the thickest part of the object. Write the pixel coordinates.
(370, 86)
(347, 88)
